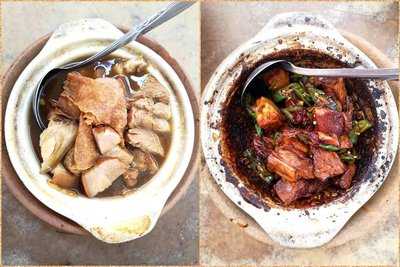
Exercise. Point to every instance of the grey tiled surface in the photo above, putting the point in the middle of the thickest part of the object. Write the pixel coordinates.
(26, 239)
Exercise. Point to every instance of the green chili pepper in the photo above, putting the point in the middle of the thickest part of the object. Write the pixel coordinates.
(288, 115)
(301, 93)
(361, 126)
(348, 158)
(257, 166)
(259, 130)
(278, 97)
(287, 111)
(330, 147)
(358, 128)
(353, 137)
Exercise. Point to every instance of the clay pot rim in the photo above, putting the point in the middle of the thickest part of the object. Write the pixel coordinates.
(22, 194)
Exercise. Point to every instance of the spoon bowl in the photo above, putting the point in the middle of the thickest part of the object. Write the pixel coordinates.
(383, 74)
(164, 15)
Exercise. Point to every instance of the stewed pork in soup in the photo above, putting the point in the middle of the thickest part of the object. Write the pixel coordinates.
(296, 138)
(109, 127)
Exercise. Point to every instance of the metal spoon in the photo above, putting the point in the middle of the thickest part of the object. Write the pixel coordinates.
(169, 12)
(383, 74)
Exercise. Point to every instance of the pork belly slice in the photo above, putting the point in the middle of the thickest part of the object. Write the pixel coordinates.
(55, 141)
(162, 110)
(145, 119)
(102, 175)
(334, 87)
(146, 140)
(159, 109)
(154, 89)
(288, 140)
(326, 164)
(120, 153)
(64, 179)
(345, 180)
(101, 100)
(144, 162)
(85, 150)
(289, 165)
(67, 107)
(106, 138)
(291, 191)
(303, 165)
(278, 166)
(328, 121)
(328, 139)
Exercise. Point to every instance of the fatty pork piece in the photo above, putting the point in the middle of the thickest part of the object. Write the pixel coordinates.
(291, 191)
(159, 109)
(102, 175)
(55, 141)
(328, 121)
(153, 89)
(146, 140)
(345, 180)
(334, 87)
(145, 119)
(85, 151)
(144, 162)
(289, 165)
(120, 153)
(106, 138)
(101, 100)
(65, 179)
(326, 164)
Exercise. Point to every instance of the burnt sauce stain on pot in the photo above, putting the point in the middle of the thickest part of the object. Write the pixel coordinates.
(237, 129)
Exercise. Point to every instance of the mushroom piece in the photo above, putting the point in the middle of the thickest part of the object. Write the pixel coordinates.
(102, 175)
(55, 141)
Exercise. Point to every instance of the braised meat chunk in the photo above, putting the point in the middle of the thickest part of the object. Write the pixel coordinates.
(299, 138)
(111, 121)
(101, 100)
(326, 164)
(289, 192)
(328, 121)
(102, 175)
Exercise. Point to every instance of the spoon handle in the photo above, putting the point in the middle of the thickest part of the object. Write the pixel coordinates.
(383, 74)
(164, 15)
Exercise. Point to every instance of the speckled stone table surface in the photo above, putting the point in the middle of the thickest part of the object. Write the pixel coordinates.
(28, 241)
(224, 27)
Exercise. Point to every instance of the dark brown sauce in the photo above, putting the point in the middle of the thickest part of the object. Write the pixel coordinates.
(54, 88)
(238, 129)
